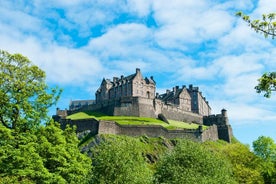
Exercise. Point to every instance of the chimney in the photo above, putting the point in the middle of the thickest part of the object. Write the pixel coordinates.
(174, 90)
(137, 70)
(167, 91)
(224, 112)
(115, 79)
(122, 76)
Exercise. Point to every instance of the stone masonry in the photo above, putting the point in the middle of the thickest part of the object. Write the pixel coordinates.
(135, 95)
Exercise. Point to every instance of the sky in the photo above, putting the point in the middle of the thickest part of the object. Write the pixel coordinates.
(80, 42)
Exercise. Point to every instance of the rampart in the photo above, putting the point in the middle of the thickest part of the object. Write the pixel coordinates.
(111, 127)
(221, 121)
(219, 127)
(91, 125)
(142, 107)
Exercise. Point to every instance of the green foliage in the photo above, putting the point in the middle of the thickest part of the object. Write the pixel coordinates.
(246, 166)
(120, 160)
(265, 26)
(265, 148)
(47, 155)
(190, 162)
(25, 97)
(267, 84)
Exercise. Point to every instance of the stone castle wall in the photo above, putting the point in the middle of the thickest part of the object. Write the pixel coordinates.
(82, 125)
(222, 123)
(143, 107)
(110, 127)
(137, 106)
(210, 134)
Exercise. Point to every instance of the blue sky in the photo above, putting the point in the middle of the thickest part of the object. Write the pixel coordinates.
(78, 42)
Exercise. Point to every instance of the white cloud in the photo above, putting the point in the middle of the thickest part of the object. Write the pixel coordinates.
(183, 22)
(242, 113)
(264, 7)
(226, 69)
(62, 65)
(232, 66)
(141, 7)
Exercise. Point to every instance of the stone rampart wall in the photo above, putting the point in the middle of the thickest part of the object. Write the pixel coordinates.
(91, 125)
(110, 127)
(211, 134)
(137, 106)
(143, 107)
(180, 115)
(225, 132)
(222, 123)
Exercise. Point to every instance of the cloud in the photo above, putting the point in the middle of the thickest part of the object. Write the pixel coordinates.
(129, 45)
(62, 65)
(78, 43)
(264, 7)
(182, 22)
(242, 113)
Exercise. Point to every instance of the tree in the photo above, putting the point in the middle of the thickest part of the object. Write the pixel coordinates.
(190, 162)
(120, 160)
(25, 97)
(267, 27)
(247, 166)
(267, 84)
(265, 148)
(46, 155)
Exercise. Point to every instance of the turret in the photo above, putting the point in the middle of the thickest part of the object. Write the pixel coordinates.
(224, 112)
(138, 70)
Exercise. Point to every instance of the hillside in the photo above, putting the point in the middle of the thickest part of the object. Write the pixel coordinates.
(118, 158)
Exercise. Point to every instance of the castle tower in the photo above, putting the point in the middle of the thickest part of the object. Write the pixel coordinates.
(222, 122)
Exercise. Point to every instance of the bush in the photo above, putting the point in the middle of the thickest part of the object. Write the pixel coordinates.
(189, 163)
(120, 160)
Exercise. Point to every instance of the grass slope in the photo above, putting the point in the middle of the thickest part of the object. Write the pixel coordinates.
(132, 120)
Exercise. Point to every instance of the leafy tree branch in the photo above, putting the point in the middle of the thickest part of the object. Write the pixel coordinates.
(25, 96)
(267, 27)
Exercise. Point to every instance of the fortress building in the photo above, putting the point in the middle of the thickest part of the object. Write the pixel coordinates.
(135, 95)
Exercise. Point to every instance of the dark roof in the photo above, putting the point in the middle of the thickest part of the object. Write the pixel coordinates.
(170, 95)
(149, 80)
(81, 102)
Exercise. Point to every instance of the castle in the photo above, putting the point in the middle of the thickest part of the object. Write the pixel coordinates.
(135, 95)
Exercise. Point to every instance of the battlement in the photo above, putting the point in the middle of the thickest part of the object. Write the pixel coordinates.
(218, 119)
(222, 123)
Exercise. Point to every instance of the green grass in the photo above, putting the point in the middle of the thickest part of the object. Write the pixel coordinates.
(132, 120)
